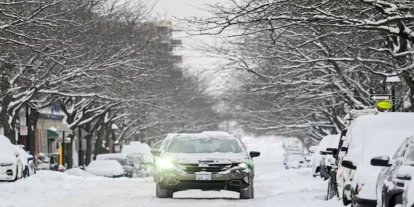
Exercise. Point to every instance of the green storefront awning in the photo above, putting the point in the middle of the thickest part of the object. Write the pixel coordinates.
(52, 134)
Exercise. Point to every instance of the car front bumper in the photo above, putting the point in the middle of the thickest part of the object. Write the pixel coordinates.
(8, 173)
(233, 180)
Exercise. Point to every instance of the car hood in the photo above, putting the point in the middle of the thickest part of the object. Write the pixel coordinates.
(217, 158)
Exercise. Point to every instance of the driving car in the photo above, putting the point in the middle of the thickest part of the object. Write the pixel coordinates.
(396, 174)
(370, 136)
(205, 161)
(11, 166)
(106, 168)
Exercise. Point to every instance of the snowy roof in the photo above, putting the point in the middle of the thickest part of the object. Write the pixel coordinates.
(136, 147)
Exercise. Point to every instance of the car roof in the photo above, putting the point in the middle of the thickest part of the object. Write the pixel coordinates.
(204, 135)
(377, 135)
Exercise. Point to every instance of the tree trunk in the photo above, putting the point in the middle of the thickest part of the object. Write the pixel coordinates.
(410, 82)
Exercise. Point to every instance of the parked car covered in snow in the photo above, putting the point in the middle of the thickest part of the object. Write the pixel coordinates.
(206, 161)
(130, 164)
(106, 168)
(11, 166)
(142, 153)
(394, 178)
(321, 161)
(27, 161)
(370, 136)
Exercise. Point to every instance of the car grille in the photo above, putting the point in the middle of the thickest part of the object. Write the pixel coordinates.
(213, 168)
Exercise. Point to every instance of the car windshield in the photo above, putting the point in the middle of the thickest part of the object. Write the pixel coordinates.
(205, 145)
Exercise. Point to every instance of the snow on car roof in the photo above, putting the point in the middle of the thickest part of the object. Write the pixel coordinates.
(111, 156)
(205, 135)
(136, 147)
(377, 135)
(329, 141)
(4, 140)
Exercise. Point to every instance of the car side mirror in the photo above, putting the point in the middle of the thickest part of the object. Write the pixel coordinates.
(17, 153)
(349, 164)
(254, 154)
(332, 151)
(381, 161)
(156, 152)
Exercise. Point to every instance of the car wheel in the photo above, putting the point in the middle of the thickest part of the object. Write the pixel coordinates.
(331, 190)
(26, 172)
(163, 192)
(247, 193)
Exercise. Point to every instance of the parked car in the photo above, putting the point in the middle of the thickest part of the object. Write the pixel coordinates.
(206, 161)
(295, 160)
(370, 136)
(394, 178)
(106, 168)
(142, 153)
(321, 161)
(27, 161)
(11, 166)
(130, 164)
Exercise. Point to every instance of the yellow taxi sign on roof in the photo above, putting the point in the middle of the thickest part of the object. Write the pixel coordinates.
(384, 105)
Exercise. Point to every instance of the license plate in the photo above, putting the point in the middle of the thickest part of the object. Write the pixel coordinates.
(203, 176)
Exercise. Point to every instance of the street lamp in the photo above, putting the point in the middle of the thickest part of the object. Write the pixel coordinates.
(63, 128)
(393, 80)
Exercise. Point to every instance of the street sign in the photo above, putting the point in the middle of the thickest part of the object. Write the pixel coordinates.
(384, 105)
(24, 131)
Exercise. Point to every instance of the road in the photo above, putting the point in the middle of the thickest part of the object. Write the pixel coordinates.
(274, 186)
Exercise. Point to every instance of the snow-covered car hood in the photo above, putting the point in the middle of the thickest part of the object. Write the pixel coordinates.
(218, 158)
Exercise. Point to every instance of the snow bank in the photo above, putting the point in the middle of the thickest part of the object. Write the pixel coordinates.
(78, 172)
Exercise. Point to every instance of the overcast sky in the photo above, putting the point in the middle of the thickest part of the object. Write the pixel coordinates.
(182, 8)
(196, 61)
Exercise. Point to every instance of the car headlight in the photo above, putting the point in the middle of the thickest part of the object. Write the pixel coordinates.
(243, 166)
(165, 164)
(6, 164)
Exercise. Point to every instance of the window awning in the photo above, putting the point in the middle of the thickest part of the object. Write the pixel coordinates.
(52, 134)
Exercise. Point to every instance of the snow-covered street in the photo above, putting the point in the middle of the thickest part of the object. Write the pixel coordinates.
(273, 185)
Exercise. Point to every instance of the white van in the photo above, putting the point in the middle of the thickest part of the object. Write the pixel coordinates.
(370, 136)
